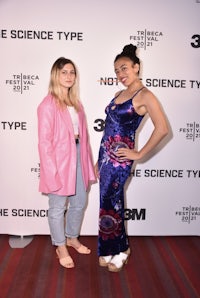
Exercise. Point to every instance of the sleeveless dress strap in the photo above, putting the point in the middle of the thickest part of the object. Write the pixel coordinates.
(118, 94)
(137, 92)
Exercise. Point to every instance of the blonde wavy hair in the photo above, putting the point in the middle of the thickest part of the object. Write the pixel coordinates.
(54, 86)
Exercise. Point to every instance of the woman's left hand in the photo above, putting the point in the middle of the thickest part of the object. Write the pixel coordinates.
(126, 153)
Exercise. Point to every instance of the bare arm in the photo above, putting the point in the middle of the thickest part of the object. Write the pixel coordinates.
(150, 105)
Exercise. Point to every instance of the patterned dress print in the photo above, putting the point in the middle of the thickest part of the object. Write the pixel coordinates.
(120, 127)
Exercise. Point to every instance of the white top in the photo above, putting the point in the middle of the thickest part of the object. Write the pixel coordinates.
(74, 118)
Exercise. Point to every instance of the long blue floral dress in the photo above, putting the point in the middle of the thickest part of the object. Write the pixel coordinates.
(120, 127)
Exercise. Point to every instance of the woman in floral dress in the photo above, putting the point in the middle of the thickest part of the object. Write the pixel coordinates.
(117, 154)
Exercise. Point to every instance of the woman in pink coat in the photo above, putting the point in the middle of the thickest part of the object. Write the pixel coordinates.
(66, 167)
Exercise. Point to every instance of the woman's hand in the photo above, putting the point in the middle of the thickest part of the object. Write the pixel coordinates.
(126, 153)
(96, 170)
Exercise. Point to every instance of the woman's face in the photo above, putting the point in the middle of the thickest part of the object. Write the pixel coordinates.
(126, 71)
(67, 76)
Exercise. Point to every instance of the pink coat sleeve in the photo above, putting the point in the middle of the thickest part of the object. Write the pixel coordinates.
(48, 167)
(86, 154)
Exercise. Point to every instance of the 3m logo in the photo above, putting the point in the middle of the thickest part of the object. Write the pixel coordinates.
(135, 214)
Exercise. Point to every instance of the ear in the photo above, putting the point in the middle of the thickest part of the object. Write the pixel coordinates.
(137, 67)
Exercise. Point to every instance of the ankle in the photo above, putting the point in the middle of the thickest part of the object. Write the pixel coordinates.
(73, 241)
(62, 250)
(61, 247)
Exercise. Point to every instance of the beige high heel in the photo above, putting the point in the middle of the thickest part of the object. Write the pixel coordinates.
(118, 261)
(80, 248)
(66, 262)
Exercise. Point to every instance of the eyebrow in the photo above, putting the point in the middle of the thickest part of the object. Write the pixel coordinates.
(120, 67)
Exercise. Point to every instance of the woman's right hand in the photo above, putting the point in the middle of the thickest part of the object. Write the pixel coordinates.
(96, 170)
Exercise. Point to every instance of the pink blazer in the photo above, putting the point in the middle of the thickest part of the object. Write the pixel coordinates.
(57, 149)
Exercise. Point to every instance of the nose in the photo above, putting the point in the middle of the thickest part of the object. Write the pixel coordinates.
(68, 75)
(119, 74)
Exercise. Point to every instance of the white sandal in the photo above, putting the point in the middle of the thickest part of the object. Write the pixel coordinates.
(104, 260)
(118, 261)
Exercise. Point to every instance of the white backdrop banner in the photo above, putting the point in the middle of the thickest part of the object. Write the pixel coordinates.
(162, 194)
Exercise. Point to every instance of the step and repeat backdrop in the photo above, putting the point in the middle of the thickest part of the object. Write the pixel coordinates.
(162, 194)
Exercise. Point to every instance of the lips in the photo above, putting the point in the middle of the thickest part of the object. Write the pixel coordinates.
(123, 80)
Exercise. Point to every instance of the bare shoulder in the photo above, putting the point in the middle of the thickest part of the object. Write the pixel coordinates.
(145, 101)
(146, 93)
(148, 97)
